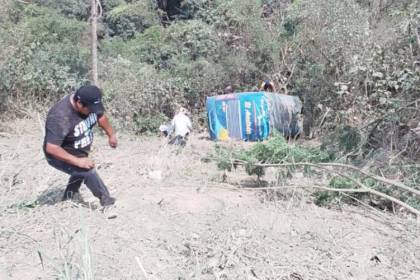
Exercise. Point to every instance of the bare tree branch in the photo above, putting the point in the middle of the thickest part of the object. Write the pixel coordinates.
(319, 165)
(362, 187)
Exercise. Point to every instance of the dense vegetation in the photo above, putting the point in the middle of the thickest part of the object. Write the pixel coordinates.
(355, 64)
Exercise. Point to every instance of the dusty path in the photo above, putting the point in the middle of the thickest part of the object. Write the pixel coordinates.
(175, 220)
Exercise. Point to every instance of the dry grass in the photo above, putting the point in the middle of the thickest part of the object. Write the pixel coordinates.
(176, 220)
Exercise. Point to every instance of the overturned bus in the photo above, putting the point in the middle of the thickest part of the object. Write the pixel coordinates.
(253, 116)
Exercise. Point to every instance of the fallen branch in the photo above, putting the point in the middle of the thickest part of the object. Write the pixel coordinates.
(362, 187)
(381, 179)
(307, 187)
(319, 165)
(378, 193)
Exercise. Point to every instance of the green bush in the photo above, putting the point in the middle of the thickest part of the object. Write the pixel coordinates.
(179, 52)
(137, 95)
(44, 25)
(44, 56)
(194, 39)
(197, 9)
(149, 124)
(198, 78)
(78, 9)
(108, 5)
(274, 151)
(125, 20)
(161, 47)
(151, 47)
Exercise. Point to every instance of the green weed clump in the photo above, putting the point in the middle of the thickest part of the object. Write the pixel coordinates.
(274, 151)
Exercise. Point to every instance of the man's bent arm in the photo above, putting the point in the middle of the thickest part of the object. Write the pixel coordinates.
(59, 153)
(106, 126)
(103, 122)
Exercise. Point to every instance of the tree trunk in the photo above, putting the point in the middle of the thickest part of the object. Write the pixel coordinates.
(94, 41)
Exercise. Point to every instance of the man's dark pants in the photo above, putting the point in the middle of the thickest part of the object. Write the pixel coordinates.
(79, 175)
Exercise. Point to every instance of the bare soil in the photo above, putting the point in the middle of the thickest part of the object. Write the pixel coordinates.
(175, 219)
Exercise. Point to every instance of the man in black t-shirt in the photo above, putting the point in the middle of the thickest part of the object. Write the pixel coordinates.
(69, 135)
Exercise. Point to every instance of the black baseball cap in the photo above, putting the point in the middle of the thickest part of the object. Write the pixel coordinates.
(91, 97)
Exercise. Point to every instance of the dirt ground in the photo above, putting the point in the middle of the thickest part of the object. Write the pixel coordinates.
(175, 219)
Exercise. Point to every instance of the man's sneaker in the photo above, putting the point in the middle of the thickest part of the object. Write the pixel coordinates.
(107, 201)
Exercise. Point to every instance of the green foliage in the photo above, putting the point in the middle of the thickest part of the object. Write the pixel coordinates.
(290, 27)
(179, 51)
(196, 78)
(223, 158)
(410, 177)
(197, 9)
(161, 47)
(327, 198)
(137, 95)
(125, 20)
(43, 25)
(45, 72)
(108, 5)
(194, 39)
(148, 124)
(240, 14)
(148, 47)
(274, 151)
(42, 57)
(197, 57)
(78, 9)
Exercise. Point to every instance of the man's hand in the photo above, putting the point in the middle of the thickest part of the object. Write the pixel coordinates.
(112, 140)
(59, 153)
(85, 163)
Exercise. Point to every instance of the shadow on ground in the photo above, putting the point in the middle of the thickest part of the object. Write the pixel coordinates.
(54, 195)
(50, 196)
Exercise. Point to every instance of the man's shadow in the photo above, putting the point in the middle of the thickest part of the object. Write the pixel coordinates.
(54, 195)
(51, 196)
